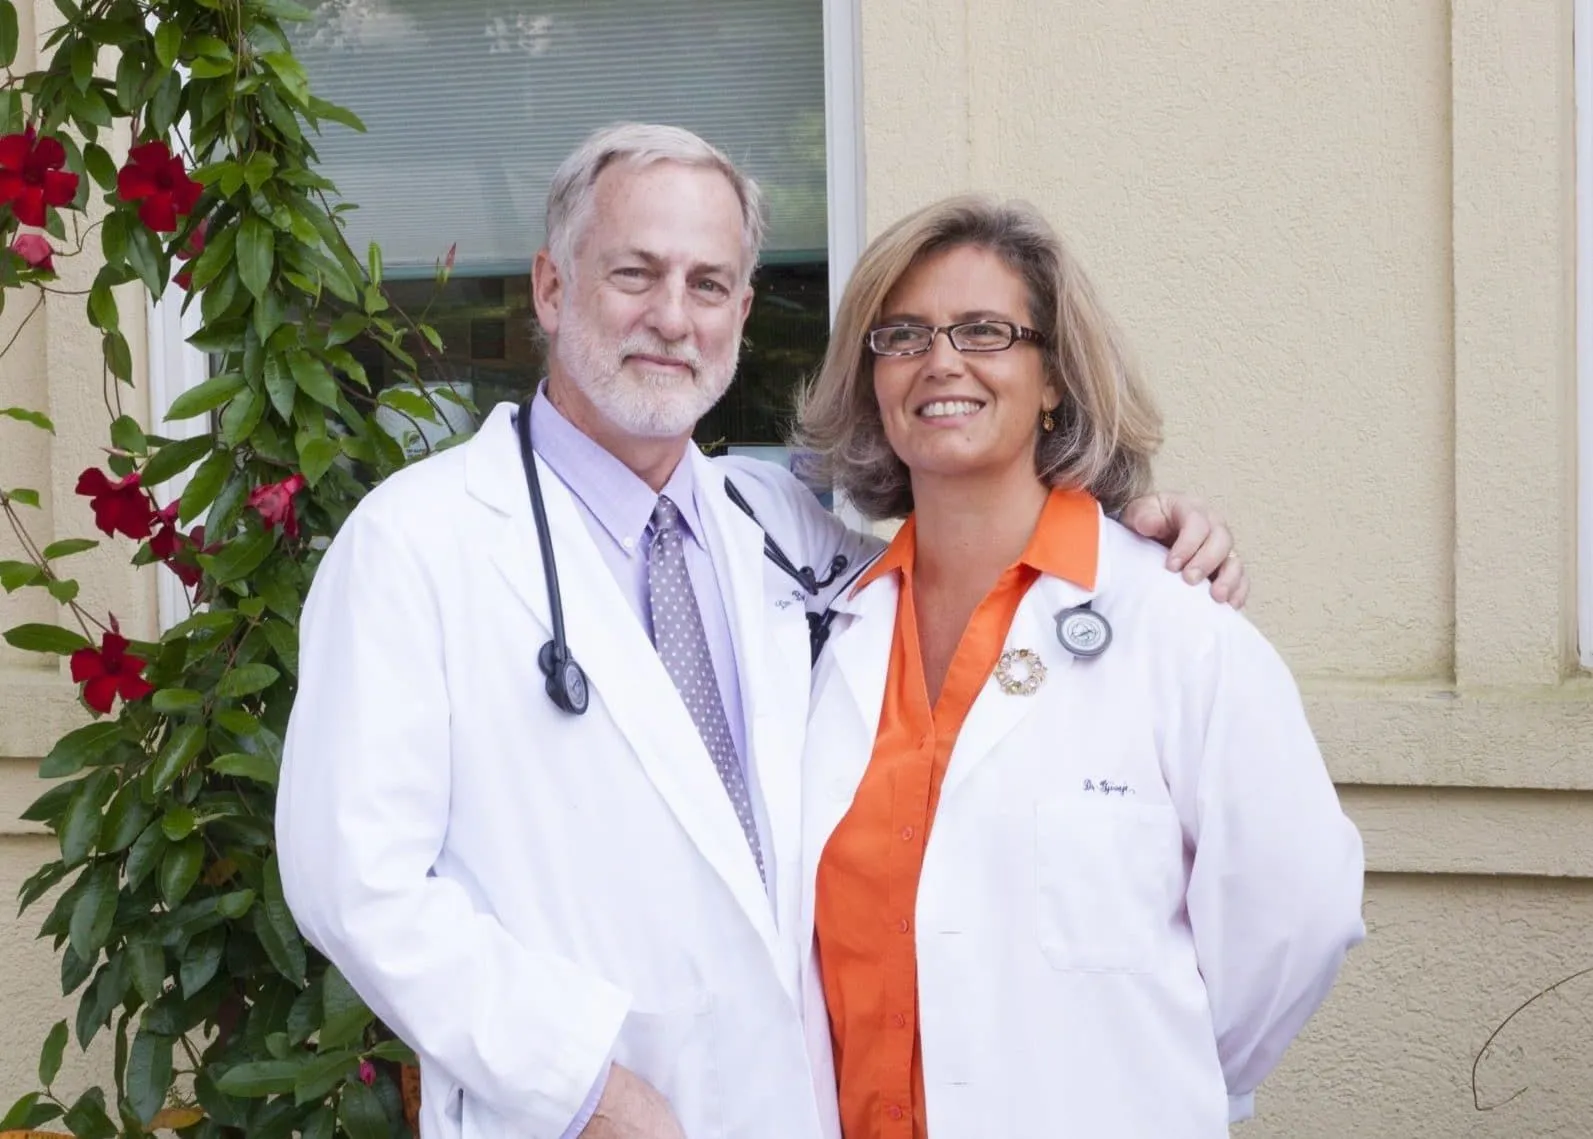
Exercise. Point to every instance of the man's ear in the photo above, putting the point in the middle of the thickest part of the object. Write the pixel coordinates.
(746, 303)
(547, 291)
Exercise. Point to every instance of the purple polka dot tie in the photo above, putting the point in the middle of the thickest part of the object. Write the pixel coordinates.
(683, 647)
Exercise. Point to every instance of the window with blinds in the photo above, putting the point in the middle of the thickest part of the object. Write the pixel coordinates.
(471, 105)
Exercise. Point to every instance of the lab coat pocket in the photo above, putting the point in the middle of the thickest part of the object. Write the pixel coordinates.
(1105, 872)
(673, 1049)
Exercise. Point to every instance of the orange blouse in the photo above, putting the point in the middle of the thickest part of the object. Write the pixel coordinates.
(868, 874)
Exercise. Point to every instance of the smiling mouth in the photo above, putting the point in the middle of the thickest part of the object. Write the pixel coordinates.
(949, 408)
(661, 362)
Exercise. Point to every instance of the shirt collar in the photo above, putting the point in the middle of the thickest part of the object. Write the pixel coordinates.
(610, 491)
(1065, 544)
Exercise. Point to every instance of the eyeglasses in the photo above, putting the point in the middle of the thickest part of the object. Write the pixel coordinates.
(971, 336)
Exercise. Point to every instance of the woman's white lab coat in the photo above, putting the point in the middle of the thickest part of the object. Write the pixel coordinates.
(1138, 884)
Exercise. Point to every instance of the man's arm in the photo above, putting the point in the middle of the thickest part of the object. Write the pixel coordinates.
(361, 816)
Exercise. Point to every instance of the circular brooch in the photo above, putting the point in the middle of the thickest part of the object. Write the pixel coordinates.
(1020, 672)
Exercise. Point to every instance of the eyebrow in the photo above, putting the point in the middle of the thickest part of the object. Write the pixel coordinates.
(957, 318)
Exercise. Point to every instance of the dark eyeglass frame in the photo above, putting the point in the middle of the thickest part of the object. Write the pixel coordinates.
(1017, 331)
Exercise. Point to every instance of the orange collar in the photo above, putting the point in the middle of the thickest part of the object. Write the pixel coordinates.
(1065, 543)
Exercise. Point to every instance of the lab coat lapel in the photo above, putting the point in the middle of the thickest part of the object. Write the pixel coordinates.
(995, 713)
(627, 679)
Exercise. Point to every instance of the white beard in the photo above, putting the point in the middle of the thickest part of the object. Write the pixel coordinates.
(654, 405)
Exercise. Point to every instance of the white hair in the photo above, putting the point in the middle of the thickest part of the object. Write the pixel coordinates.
(640, 145)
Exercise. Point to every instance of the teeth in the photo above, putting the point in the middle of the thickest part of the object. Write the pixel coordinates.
(942, 408)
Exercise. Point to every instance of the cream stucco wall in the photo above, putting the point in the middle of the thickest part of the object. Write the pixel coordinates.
(1341, 238)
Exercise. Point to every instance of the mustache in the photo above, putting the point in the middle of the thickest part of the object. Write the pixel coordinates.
(640, 344)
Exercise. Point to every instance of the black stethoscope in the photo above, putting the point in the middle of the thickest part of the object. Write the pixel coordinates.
(1081, 630)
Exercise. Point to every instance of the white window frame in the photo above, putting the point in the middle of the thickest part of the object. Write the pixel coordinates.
(175, 366)
(1583, 40)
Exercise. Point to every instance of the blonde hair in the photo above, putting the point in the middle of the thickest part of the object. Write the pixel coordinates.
(641, 144)
(1107, 426)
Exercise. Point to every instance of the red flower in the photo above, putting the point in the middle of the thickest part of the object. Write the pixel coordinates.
(193, 247)
(274, 501)
(367, 1073)
(31, 177)
(108, 672)
(178, 553)
(35, 251)
(156, 177)
(120, 506)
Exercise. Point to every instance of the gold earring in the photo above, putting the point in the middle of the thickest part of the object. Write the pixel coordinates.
(1047, 424)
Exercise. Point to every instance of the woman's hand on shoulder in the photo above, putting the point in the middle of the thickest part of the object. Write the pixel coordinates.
(1198, 541)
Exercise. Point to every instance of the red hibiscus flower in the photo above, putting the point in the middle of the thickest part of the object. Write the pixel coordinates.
(274, 501)
(193, 247)
(367, 1073)
(31, 177)
(108, 672)
(178, 553)
(35, 251)
(118, 506)
(158, 179)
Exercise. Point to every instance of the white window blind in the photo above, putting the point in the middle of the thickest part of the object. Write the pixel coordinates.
(470, 106)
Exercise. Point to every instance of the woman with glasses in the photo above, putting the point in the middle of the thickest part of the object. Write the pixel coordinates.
(1073, 864)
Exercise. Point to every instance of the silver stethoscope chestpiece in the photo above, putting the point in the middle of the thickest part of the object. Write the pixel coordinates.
(1082, 631)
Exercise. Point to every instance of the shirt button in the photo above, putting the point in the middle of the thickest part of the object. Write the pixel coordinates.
(903, 926)
(907, 834)
(894, 1111)
(899, 1020)
(628, 543)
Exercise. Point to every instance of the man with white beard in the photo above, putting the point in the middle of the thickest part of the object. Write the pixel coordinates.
(580, 920)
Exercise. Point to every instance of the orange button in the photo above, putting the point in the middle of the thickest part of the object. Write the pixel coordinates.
(903, 926)
(907, 834)
(899, 1020)
(894, 1111)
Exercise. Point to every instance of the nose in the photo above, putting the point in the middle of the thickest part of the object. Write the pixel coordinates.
(942, 359)
(667, 315)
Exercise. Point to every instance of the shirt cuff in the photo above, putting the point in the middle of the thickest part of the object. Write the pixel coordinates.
(589, 1105)
(1241, 1107)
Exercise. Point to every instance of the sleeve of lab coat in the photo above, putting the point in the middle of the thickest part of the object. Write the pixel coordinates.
(1275, 890)
(361, 816)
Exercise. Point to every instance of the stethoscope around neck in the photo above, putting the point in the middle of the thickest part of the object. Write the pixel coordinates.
(1081, 630)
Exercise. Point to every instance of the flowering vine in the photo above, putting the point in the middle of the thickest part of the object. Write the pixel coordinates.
(164, 901)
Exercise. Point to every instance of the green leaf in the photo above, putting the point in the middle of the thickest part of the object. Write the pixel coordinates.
(256, 252)
(260, 768)
(317, 456)
(148, 1073)
(343, 1015)
(258, 169)
(80, 826)
(175, 457)
(102, 307)
(280, 386)
(50, 806)
(234, 905)
(201, 960)
(395, 1050)
(143, 254)
(346, 328)
(186, 741)
(361, 1114)
(175, 700)
(80, 747)
(210, 68)
(282, 10)
(375, 258)
(64, 591)
(168, 44)
(74, 970)
(290, 72)
(211, 621)
(100, 166)
(86, 1118)
(206, 397)
(128, 436)
(125, 819)
(113, 238)
(22, 414)
(83, 53)
(23, 495)
(410, 403)
(8, 53)
(94, 912)
(260, 1078)
(204, 484)
(118, 356)
(313, 379)
(15, 575)
(324, 1074)
(273, 925)
(54, 1048)
(45, 639)
(66, 547)
(148, 962)
(179, 869)
(240, 419)
(245, 680)
(432, 336)
(27, 1113)
(144, 855)
(178, 823)
(240, 557)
